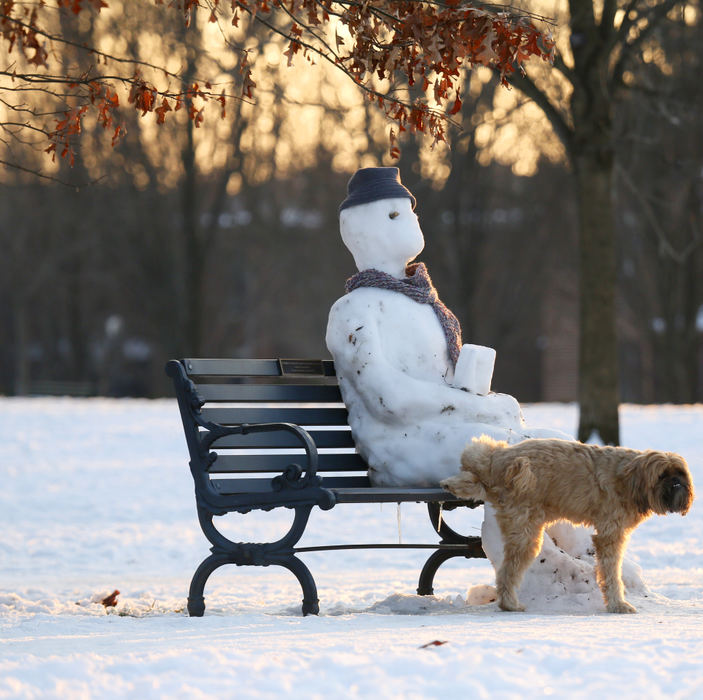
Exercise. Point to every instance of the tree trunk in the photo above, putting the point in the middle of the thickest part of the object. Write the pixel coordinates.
(193, 247)
(598, 368)
(22, 373)
(592, 158)
(74, 223)
(689, 332)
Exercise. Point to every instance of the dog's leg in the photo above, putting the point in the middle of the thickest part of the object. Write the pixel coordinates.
(522, 540)
(610, 547)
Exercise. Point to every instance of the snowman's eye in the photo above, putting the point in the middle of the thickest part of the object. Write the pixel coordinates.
(394, 214)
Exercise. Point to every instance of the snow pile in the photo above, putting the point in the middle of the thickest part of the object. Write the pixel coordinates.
(562, 578)
(96, 496)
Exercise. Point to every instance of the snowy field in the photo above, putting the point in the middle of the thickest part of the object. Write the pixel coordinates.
(96, 495)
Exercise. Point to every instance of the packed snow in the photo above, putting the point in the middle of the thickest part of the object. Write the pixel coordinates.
(97, 496)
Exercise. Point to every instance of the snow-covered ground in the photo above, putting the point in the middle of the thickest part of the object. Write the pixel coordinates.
(96, 495)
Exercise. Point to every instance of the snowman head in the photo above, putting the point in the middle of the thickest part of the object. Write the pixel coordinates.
(377, 221)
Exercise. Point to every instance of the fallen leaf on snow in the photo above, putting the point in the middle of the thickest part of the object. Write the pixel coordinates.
(110, 600)
(433, 643)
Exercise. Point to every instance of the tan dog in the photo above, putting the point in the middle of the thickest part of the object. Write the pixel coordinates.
(536, 482)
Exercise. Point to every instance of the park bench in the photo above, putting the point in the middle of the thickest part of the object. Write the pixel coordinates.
(266, 434)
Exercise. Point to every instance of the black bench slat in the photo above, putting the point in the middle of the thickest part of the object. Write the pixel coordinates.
(231, 367)
(354, 490)
(381, 494)
(300, 416)
(322, 438)
(346, 481)
(327, 462)
(227, 487)
(311, 393)
(253, 368)
(263, 484)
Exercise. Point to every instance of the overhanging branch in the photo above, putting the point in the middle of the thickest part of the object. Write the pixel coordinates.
(528, 87)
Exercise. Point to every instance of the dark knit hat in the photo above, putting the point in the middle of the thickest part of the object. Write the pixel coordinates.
(370, 184)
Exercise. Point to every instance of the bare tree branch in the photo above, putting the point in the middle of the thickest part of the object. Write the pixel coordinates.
(36, 173)
(565, 70)
(665, 245)
(527, 86)
(57, 38)
(629, 49)
(607, 18)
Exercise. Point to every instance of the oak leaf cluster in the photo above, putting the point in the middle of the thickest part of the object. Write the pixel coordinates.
(422, 45)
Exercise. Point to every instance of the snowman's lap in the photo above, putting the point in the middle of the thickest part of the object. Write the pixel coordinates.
(266, 434)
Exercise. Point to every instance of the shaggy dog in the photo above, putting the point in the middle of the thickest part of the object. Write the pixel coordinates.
(536, 482)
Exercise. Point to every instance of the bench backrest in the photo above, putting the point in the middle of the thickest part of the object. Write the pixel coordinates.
(303, 392)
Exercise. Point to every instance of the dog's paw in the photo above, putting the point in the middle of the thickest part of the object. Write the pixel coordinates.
(510, 605)
(464, 486)
(450, 483)
(620, 606)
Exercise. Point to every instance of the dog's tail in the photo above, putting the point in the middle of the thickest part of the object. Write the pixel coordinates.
(479, 471)
(475, 461)
(519, 476)
(477, 454)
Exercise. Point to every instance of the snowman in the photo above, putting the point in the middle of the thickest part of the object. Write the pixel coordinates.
(416, 395)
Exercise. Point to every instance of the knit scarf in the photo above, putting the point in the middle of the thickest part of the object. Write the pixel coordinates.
(418, 286)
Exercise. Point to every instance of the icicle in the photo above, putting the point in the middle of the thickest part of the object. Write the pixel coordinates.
(439, 519)
(400, 532)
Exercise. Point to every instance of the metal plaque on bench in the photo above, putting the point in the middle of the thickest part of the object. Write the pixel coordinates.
(308, 367)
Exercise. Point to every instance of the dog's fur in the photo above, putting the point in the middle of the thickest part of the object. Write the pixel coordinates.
(536, 482)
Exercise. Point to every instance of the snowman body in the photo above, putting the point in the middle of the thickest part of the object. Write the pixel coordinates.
(409, 421)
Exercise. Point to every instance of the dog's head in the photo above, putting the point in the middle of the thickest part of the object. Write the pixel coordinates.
(659, 482)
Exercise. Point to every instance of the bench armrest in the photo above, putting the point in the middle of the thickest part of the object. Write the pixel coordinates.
(293, 476)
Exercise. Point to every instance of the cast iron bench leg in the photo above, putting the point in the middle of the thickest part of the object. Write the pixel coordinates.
(279, 553)
(311, 604)
(436, 559)
(196, 601)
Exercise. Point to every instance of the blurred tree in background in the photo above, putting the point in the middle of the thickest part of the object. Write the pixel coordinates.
(605, 53)
(220, 237)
